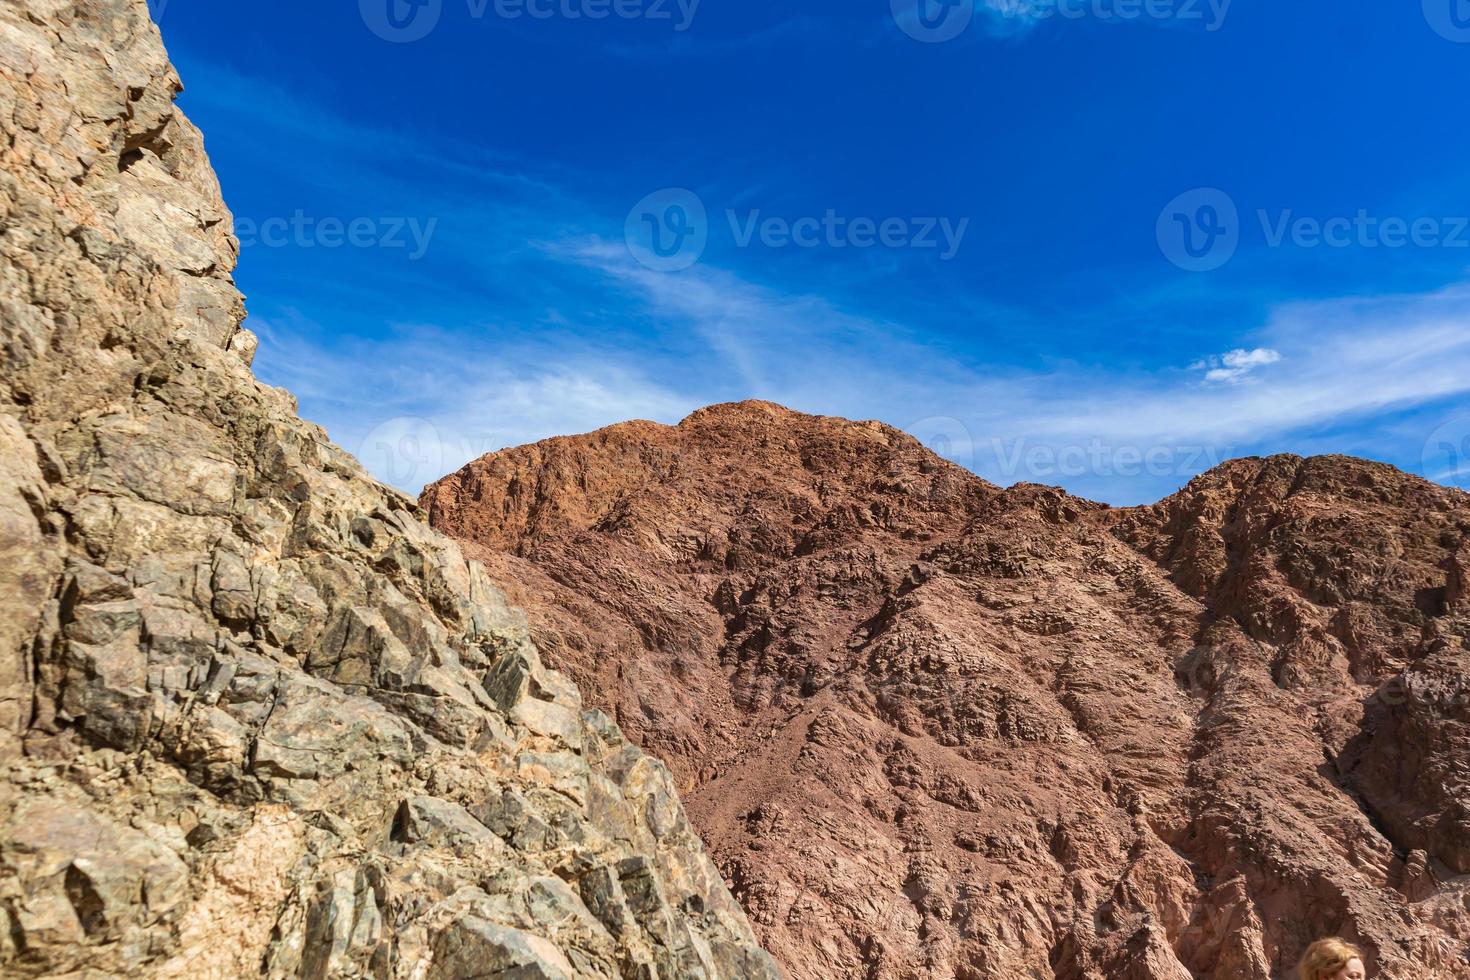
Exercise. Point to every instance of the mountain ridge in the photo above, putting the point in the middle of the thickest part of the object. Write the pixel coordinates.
(842, 645)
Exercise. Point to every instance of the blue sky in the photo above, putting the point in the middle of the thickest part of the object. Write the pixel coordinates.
(1104, 245)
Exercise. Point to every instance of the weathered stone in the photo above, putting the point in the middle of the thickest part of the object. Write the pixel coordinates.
(291, 612)
(113, 876)
(563, 772)
(240, 681)
(169, 460)
(602, 891)
(237, 899)
(471, 948)
(509, 681)
(512, 818)
(549, 720)
(933, 727)
(424, 819)
(234, 598)
(213, 746)
(343, 928)
(315, 733)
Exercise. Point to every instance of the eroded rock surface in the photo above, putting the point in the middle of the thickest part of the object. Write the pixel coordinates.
(256, 719)
(931, 728)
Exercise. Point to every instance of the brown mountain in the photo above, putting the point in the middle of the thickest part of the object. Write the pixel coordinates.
(931, 728)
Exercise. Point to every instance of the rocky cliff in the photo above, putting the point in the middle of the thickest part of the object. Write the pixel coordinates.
(931, 728)
(256, 719)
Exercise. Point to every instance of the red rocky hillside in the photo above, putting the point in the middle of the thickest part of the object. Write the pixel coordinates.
(931, 728)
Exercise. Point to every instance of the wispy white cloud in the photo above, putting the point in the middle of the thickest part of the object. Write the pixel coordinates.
(1010, 16)
(258, 105)
(426, 400)
(1330, 363)
(423, 399)
(1237, 366)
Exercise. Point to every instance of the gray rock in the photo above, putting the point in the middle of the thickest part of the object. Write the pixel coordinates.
(111, 876)
(515, 820)
(471, 948)
(509, 681)
(424, 819)
(344, 928)
(241, 683)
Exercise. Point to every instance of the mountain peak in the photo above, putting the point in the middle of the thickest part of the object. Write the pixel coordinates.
(929, 727)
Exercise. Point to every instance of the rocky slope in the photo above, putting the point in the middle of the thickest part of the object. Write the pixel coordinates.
(931, 728)
(256, 719)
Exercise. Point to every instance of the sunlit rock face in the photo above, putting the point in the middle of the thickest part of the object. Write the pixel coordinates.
(256, 719)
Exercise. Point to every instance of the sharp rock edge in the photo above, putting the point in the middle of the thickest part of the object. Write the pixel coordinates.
(256, 719)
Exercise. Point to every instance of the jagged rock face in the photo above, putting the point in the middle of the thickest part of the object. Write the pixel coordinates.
(256, 719)
(931, 728)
